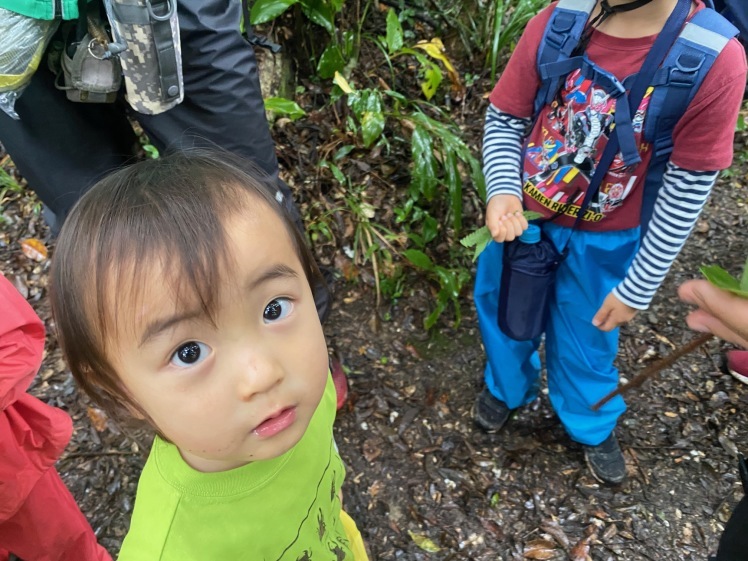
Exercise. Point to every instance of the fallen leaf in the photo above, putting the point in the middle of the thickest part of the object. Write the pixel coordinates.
(581, 551)
(372, 448)
(98, 418)
(34, 249)
(424, 543)
(374, 488)
(554, 529)
(539, 549)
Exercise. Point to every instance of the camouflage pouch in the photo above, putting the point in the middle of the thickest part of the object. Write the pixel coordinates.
(89, 76)
(152, 62)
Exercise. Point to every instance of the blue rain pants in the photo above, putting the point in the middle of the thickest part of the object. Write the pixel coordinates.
(579, 356)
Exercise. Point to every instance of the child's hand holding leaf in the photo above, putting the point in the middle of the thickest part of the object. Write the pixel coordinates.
(480, 238)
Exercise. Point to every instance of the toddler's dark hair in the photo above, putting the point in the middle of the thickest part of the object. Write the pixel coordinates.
(166, 214)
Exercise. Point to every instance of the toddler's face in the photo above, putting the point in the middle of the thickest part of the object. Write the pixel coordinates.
(245, 388)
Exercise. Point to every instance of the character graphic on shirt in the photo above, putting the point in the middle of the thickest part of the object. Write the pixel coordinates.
(562, 157)
(321, 526)
(612, 198)
(589, 125)
(577, 89)
(544, 154)
(337, 551)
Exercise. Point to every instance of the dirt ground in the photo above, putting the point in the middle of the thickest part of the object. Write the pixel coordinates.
(423, 482)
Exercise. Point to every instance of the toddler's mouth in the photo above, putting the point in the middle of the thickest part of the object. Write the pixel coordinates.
(276, 423)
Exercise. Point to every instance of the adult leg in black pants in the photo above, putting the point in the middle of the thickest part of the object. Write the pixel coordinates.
(62, 147)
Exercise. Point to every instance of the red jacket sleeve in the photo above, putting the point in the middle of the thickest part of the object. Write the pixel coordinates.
(32, 434)
(21, 343)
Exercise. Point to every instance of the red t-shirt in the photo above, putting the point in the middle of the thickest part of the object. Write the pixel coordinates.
(569, 137)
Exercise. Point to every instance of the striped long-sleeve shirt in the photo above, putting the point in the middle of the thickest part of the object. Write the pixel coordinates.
(679, 202)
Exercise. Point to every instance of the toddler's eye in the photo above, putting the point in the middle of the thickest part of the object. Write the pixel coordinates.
(277, 309)
(190, 353)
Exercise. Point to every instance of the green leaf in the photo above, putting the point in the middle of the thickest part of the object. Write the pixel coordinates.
(495, 499)
(372, 118)
(481, 237)
(724, 280)
(454, 185)
(423, 178)
(151, 150)
(430, 228)
(343, 152)
(330, 62)
(478, 239)
(428, 323)
(337, 174)
(394, 32)
(432, 78)
(372, 125)
(740, 125)
(419, 259)
(266, 10)
(283, 106)
(320, 12)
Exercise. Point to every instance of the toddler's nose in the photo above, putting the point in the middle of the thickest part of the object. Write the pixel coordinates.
(259, 376)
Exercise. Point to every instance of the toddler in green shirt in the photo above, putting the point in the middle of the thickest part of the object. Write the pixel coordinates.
(181, 293)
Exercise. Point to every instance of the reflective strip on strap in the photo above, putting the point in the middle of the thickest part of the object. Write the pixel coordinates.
(577, 5)
(702, 36)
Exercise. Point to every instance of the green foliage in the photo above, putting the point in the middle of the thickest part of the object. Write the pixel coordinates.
(284, 107)
(724, 280)
(321, 12)
(740, 125)
(394, 38)
(451, 282)
(507, 20)
(9, 188)
(264, 11)
(444, 170)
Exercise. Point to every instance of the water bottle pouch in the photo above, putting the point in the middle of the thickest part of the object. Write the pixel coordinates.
(528, 279)
(152, 62)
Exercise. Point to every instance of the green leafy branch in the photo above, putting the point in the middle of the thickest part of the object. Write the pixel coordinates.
(481, 237)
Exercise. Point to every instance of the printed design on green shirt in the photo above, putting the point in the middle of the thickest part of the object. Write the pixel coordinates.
(336, 544)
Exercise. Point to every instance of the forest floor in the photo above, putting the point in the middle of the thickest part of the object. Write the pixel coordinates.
(423, 482)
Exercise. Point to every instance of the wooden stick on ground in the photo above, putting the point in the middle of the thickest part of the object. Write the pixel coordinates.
(654, 368)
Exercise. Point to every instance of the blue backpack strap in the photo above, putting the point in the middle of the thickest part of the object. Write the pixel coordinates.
(675, 85)
(561, 37)
(554, 61)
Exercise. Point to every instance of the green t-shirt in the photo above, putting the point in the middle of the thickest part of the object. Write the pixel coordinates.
(286, 508)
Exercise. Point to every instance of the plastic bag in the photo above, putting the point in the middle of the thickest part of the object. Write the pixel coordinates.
(22, 44)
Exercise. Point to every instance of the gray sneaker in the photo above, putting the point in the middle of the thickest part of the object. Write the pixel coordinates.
(606, 461)
(489, 413)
